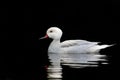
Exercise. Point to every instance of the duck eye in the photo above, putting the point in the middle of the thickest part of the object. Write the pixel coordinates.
(51, 31)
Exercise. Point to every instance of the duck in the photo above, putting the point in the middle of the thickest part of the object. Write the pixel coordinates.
(70, 46)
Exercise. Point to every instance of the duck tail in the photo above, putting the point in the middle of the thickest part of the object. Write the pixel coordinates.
(97, 48)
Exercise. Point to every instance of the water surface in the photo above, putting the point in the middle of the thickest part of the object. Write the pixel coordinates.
(72, 60)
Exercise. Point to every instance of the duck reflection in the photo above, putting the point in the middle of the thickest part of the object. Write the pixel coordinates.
(83, 60)
(54, 70)
(73, 60)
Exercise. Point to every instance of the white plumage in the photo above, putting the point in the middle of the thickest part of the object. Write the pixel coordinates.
(70, 46)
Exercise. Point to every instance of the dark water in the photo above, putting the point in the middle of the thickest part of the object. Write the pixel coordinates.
(61, 67)
(72, 61)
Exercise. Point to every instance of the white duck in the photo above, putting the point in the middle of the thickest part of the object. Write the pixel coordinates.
(70, 46)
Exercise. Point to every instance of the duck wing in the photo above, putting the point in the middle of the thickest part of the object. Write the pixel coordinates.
(70, 43)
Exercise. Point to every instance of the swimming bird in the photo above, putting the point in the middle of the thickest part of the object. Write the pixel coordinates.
(70, 46)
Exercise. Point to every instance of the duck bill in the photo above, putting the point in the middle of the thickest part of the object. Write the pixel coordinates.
(46, 36)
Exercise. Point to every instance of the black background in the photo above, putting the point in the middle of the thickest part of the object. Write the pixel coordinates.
(23, 56)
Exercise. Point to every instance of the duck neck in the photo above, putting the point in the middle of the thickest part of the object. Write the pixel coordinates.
(56, 41)
(54, 46)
